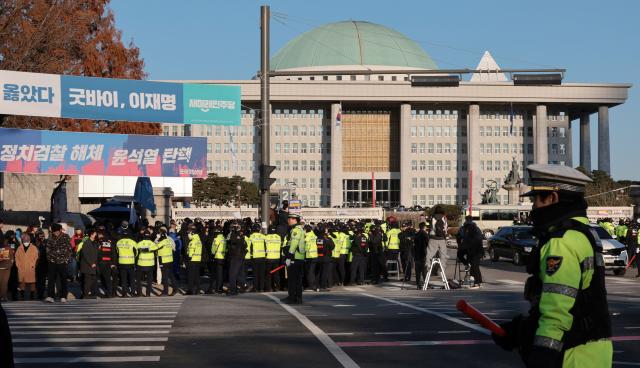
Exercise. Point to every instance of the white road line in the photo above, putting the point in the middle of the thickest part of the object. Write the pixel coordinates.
(363, 314)
(343, 305)
(71, 305)
(334, 349)
(453, 332)
(434, 313)
(79, 322)
(407, 313)
(393, 333)
(625, 363)
(316, 315)
(117, 317)
(93, 332)
(64, 349)
(340, 334)
(90, 339)
(18, 328)
(88, 359)
(511, 282)
(631, 328)
(353, 289)
(119, 314)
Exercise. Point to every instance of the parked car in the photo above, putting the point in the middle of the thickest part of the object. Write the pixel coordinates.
(513, 242)
(614, 253)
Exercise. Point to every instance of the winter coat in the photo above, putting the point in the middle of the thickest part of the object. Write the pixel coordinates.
(59, 249)
(88, 257)
(472, 240)
(26, 260)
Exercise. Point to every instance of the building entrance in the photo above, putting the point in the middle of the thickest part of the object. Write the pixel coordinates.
(359, 192)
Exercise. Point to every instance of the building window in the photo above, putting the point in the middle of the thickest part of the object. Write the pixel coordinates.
(439, 165)
(463, 131)
(430, 148)
(482, 148)
(431, 166)
(439, 148)
(421, 131)
(447, 182)
(294, 165)
(303, 165)
(446, 132)
(530, 148)
(489, 166)
(218, 148)
(562, 132)
(529, 131)
(422, 147)
(505, 148)
(414, 131)
(422, 165)
(423, 183)
(312, 165)
(482, 131)
(414, 148)
(277, 147)
(431, 183)
(286, 148)
(353, 77)
(429, 131)
(438, 131)
(554, 149)
(439, 183)
(303, 148)
(414, 183)
(563, 149)
(447, 148)
(497, 165)
(414, 165)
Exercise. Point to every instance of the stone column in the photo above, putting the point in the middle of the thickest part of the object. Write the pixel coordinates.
(336, 156)
(405, 155)
(585, 141)
(473, 152)
(604, 162)
(541, 149)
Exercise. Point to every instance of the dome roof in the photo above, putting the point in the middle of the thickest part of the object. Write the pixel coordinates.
(351, 43)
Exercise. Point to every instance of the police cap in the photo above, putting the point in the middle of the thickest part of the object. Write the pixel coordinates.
(551, 178)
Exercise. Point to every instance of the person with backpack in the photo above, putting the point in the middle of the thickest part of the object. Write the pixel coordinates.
(438, 237)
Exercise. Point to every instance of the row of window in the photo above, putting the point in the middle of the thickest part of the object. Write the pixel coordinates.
(232, 147)
(489, 148)
(438, 131)
(506, 131)
(295, 113)
(438, 165)
(304, 183)
(300, 130)
(302, 148)
(230, 165)
(432, 183)
(436, 114)
(225, 131)
(303, 165)
(438, 148)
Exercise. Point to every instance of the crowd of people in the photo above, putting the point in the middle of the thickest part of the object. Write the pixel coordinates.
(125, 261)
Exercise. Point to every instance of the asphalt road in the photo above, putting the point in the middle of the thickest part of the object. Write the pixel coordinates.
(365, 326)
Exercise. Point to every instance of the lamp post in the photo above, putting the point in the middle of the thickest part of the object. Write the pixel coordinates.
(239, 188)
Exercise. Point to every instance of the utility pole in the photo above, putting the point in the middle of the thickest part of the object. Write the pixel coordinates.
(265, 112)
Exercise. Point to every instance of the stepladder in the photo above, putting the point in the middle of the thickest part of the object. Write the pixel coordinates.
(436, 261)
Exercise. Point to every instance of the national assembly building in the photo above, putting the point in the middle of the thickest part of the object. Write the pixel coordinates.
(349, 139)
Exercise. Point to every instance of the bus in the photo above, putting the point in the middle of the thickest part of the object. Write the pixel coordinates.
(491, 217)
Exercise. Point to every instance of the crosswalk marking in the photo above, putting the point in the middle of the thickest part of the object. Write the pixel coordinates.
(111, 331)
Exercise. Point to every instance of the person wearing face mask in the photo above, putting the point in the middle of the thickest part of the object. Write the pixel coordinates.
(569, 323)
(107, 260)
(89, 264)
(194, 255)
(165, 259)
(26, 258)
(146, 249)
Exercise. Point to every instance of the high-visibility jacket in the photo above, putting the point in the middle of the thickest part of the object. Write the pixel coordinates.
(127, 249)
(258, 246)
(219, 247)
(146, 253)
(337, 241)
(297, 243)
(194, 250)
(571, 273)
(165, 251)
(383, 226)
(621, 231)
(247, 241)
(393, 239)
(311, 246)
(79, 247)
(274, 246)
(346, 243)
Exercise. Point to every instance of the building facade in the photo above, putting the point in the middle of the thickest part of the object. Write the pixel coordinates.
(351, 140)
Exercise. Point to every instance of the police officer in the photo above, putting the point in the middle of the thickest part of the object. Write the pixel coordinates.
(377, 258)
(218, 251)
(274, 248)
(259, 258)
(127, 250)
(359, 249)
(392, 243)
(194, 255)
(295, 259)
(568, 324)
(237, 249)
(310, 238)
(146, 262)
(407, 245)
(107, 260)
(166, 246)
(325, 246)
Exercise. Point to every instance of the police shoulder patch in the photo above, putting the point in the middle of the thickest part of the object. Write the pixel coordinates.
(553, 264)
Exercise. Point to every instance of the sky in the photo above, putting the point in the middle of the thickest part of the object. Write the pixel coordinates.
(596, 41)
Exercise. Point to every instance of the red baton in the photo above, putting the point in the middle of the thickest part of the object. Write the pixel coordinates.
(480, 318)
(276, 269)
(631, 261)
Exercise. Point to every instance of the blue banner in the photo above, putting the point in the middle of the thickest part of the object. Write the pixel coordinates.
(70, 153)
(118, 99)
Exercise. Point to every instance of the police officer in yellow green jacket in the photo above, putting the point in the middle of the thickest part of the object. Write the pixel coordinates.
(295, 259)
(218, 252)
(274, 249)
(568, 324)
(258, 258)
(127, 251)
(146, 262)
(310, 238)
(166, 246)
(194, 255)
(392, 242)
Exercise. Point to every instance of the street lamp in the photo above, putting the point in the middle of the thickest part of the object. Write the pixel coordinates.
(239, 188)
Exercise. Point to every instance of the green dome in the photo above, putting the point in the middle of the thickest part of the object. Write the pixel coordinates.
(351, 43)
